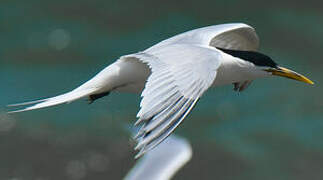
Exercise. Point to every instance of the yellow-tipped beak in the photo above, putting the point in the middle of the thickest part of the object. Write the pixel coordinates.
(284, 72)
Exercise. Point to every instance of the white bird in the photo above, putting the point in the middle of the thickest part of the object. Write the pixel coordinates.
(175, 73)
(162, 162)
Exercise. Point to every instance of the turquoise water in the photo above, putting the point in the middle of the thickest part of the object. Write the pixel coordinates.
(273, 130)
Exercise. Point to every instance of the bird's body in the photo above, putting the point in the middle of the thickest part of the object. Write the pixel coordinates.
(130, 75)
(173, 74)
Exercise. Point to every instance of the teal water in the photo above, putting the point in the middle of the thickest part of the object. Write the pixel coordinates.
(273, 130)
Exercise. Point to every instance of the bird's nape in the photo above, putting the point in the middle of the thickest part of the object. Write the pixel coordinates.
(287, 73)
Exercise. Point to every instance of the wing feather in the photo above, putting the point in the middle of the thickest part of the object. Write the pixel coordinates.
(160, 138)
(236, 36)
(181, 73)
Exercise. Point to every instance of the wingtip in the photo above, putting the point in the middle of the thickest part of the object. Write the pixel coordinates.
(139, 121)
(138, 156)
(136, 136)
(139, 134)
(140, 153)
(138, 146)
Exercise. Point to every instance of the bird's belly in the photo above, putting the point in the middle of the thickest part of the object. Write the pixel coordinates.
(227, 76)
(131, 88)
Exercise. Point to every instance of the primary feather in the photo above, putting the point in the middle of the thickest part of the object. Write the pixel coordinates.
(173, 88)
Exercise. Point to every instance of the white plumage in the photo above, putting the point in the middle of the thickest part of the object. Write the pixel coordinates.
(172, 76)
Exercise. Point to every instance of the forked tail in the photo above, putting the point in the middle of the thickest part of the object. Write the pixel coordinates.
(60, 99)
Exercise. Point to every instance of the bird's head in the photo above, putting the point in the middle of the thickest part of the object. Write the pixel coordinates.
(264, 63)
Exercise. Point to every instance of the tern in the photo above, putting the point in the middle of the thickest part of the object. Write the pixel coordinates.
(173, 74)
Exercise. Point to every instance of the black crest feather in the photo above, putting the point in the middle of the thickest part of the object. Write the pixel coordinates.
(251, 56)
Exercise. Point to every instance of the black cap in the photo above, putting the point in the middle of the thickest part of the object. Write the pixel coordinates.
(251, 56)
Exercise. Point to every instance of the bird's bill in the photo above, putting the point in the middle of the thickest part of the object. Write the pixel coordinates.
(284, 72)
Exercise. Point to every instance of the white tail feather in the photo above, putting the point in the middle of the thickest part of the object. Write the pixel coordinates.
(26, 103)
(64, 98)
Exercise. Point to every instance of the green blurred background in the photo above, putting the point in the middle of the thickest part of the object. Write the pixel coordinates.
(273, 130)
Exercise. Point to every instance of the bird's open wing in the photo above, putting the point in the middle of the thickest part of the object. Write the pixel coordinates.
(181, 73)
(235, 36)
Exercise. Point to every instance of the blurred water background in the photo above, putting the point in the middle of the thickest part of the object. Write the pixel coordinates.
(273, 130)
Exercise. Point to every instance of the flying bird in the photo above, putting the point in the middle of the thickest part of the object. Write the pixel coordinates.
(173, 74)
(162, 162)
